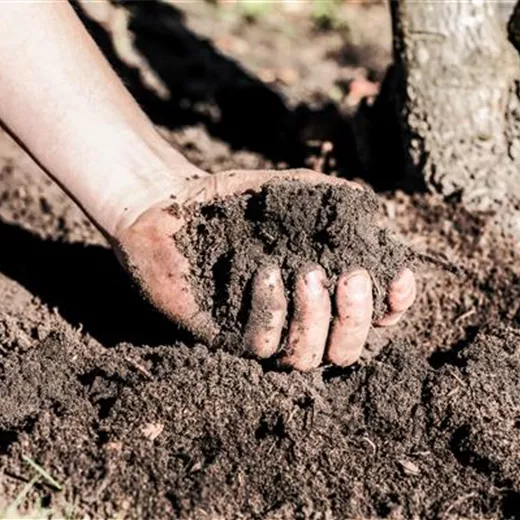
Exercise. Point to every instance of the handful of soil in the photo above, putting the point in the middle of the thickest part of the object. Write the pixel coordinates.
(291, 224)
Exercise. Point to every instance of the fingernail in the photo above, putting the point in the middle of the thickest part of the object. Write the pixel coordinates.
(359, 284)
(403, 293)
(404, 278)
(314, 281)
(404, 285)
(272, 277)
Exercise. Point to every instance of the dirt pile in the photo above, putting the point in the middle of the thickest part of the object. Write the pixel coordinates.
(134, 423)
(292, 225)
(214, 435)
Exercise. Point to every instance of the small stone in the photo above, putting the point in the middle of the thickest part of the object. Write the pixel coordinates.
(152, 430)
(409, 468)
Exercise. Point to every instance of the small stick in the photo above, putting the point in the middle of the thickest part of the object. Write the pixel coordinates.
(465, 315)
(138, 367)
(458, 502)
(444, 264)
(370, 443)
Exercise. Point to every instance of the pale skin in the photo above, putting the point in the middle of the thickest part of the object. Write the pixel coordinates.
(66, 106)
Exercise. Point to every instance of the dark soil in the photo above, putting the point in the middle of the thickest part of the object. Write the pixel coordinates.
(134, 422)
(291, 225)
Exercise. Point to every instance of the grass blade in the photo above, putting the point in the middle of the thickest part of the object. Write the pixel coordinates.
(44, 474)
(18, 501)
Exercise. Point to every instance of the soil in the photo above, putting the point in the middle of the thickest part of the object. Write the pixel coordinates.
(136, 421)
(293, 226)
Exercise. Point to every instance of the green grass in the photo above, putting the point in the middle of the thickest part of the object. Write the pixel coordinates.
(36, 509)
(326, 15)
(254, 10)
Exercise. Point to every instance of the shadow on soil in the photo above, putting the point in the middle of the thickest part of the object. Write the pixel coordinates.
(209, 88)
(86, 284)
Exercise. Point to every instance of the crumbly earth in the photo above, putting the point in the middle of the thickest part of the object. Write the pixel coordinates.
(136, 422)
(291, 225)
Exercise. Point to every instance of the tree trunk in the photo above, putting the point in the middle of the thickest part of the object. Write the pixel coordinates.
(456, 91)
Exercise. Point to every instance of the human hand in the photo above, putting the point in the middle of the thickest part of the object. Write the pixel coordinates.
(314, 335)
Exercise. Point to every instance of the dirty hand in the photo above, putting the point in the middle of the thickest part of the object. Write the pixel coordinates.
(111, 160)
(147, 249)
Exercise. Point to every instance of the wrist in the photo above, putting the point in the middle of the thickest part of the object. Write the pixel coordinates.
(140, 189)
(137, 193)
(145, 172)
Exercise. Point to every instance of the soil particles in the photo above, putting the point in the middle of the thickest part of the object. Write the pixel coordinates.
(291, 225)
(134, 420)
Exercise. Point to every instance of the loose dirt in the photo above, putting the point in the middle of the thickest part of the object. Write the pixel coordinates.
(136, 421)
(293, 226)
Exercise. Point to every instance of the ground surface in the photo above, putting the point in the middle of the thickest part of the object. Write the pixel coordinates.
(134, 421)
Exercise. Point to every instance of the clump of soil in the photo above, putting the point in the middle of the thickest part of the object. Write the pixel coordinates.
(290, 224)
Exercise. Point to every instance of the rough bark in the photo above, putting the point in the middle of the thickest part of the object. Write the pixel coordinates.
(456, 91)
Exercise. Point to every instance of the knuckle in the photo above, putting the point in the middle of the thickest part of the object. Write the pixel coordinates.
(277, 307)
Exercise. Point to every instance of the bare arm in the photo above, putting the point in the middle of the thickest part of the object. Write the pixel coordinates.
(61, 99)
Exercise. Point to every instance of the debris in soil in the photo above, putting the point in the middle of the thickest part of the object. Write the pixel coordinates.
(236, 441)
(292, 225)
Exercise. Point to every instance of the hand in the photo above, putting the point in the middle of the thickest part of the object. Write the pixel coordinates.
(146, 248)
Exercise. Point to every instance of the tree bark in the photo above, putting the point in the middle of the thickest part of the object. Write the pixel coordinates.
(456, 91)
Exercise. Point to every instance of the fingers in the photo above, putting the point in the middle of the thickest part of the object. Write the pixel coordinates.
(310, 322)
(309, 326)
(401, 296)
(268, 311)
(354, 305)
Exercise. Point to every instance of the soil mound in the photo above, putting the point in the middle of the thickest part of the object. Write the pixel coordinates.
(290, 224)
(135, 423)
(215, 436)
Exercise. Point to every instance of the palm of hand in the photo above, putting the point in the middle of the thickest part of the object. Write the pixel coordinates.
(148, 251)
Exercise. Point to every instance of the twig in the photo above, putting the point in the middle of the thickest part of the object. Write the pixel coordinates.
(370, 443)
(444, 264)
(458, 502)
(138, 367)
(465, 315)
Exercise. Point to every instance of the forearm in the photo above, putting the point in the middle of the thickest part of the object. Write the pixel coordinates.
(62, 100)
